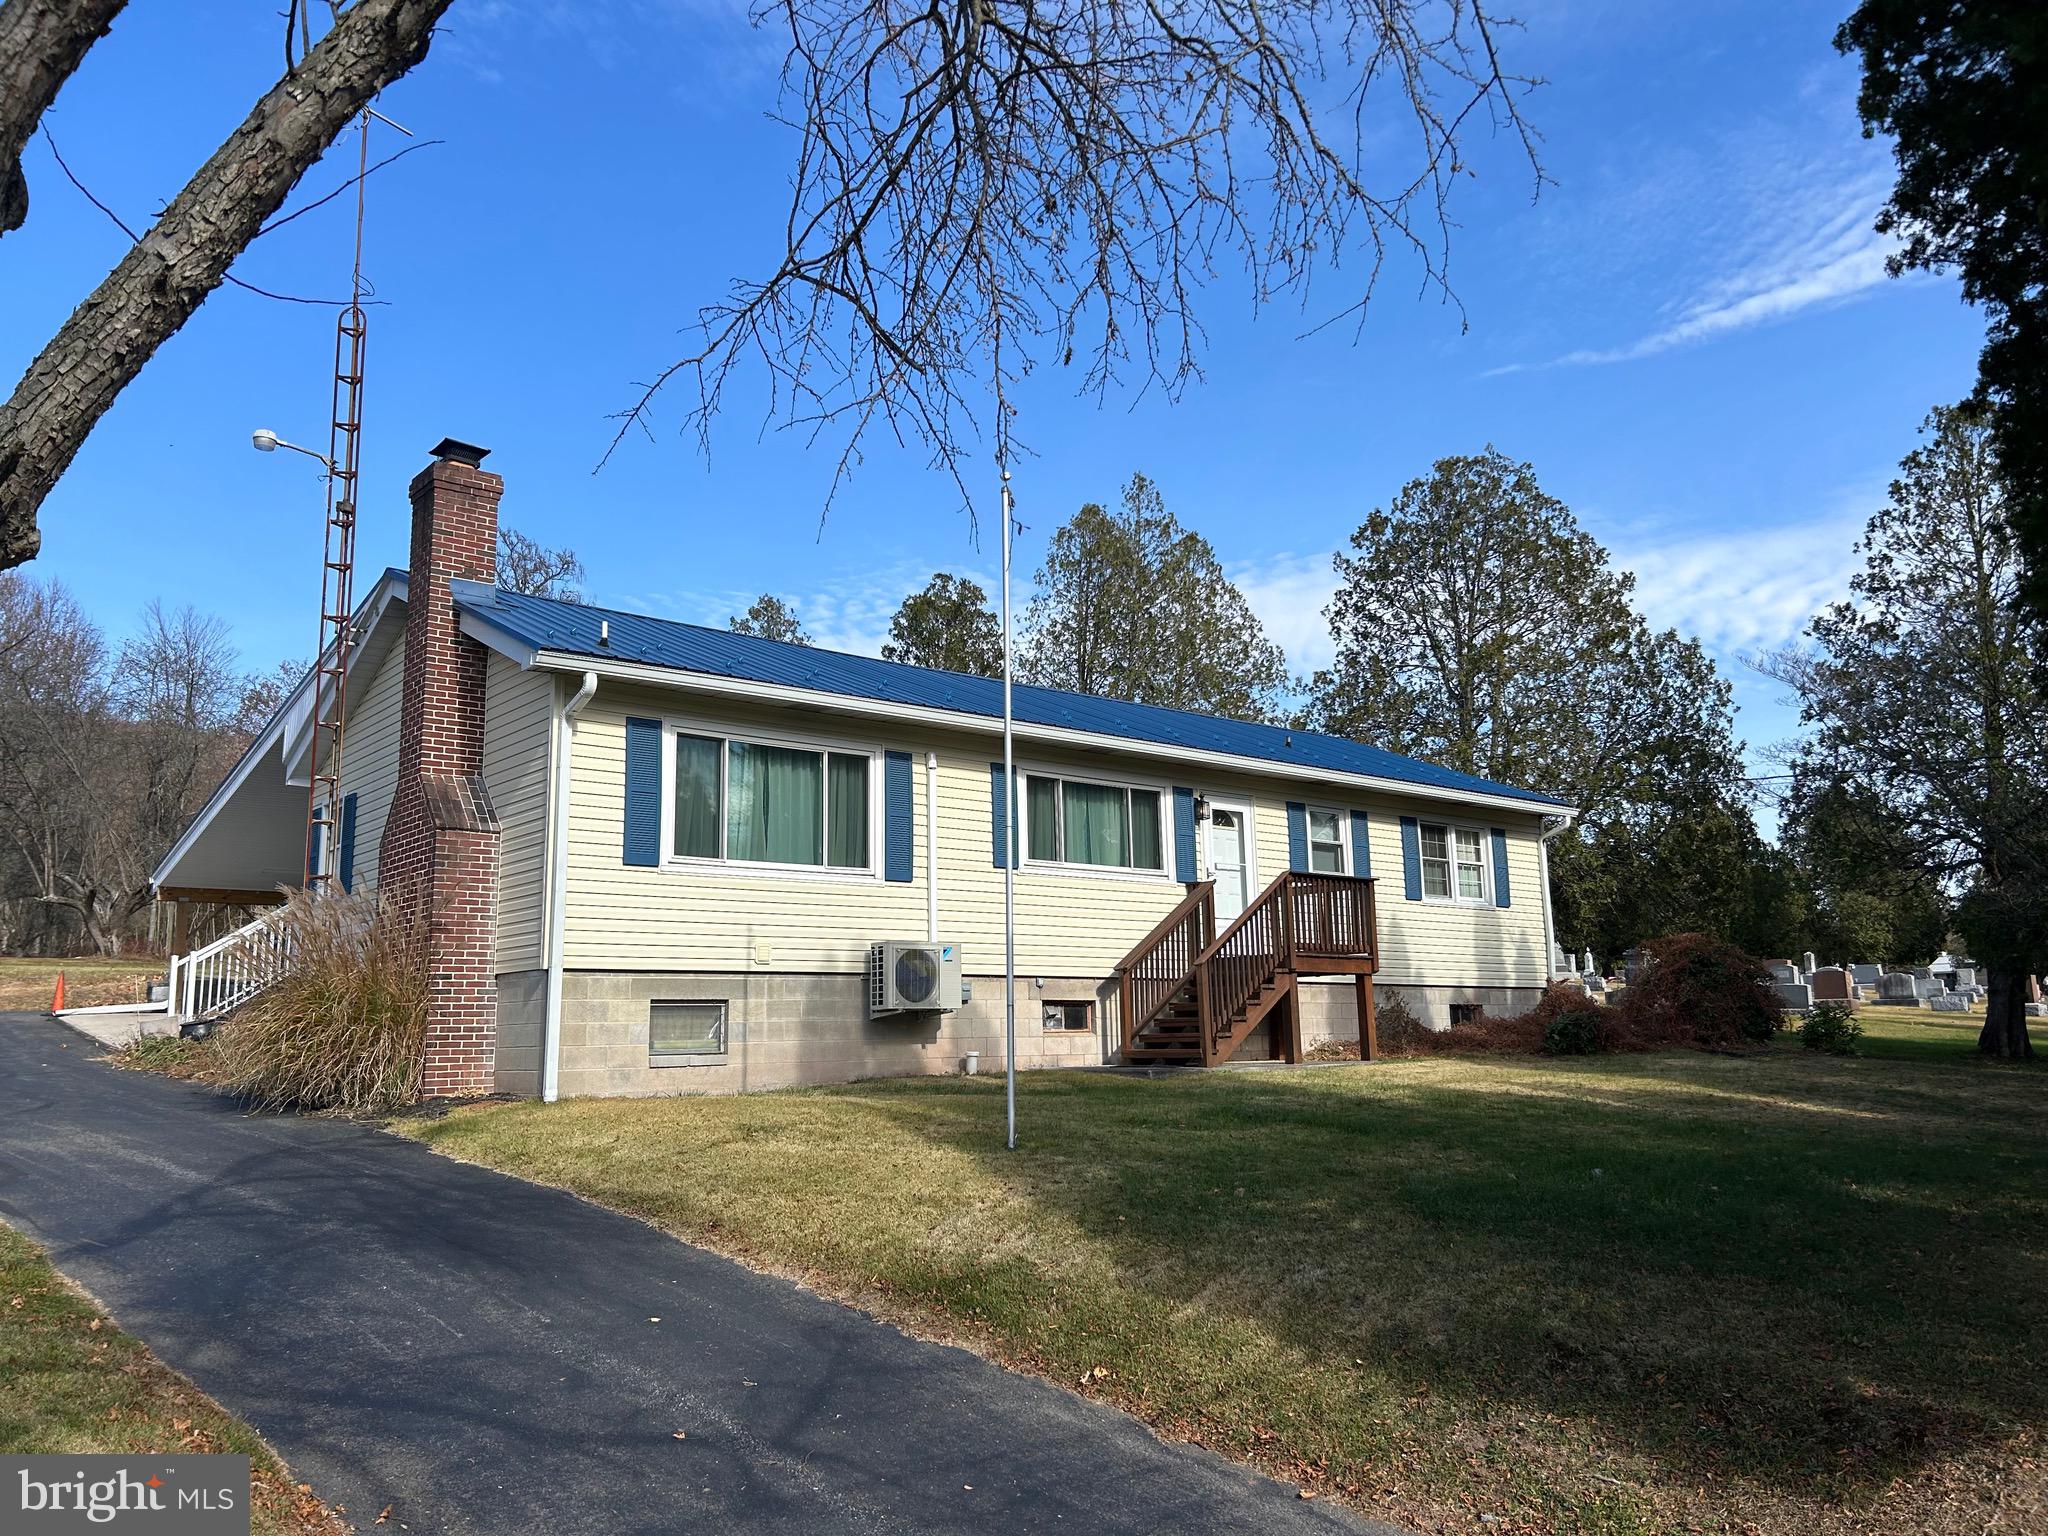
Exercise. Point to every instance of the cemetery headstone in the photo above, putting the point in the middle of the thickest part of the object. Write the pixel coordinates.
(1796, 996)
(1896, 989)
(1831, 984)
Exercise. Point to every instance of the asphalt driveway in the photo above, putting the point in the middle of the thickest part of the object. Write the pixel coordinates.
(484, 1354)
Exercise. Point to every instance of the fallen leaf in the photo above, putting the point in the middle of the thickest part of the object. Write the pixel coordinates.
(1303, 1493)
(679, 1435)
(94, 1325)
(382, 1515)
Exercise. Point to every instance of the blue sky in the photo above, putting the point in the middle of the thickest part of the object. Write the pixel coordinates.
(1689, 334)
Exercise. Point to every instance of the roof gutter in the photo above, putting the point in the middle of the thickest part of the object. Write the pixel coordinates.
(1543, 873)
(558, 886)
(703, 682)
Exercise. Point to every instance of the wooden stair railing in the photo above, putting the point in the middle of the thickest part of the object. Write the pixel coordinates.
(1159, 965)
(1189, 993)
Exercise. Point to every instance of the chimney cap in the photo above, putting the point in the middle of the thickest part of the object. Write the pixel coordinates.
(460, 452)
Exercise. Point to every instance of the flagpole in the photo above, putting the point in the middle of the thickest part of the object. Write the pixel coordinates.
(1009, 852)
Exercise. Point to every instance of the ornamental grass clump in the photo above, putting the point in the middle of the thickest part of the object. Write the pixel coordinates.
(344, 1028)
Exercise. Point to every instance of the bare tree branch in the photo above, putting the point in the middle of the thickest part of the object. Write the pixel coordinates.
(983, 186)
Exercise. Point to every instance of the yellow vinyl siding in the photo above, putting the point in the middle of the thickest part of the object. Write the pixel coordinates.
(517, 711)
(369, 757)
(634, 918)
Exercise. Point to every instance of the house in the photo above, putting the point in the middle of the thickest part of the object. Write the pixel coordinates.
(656, 856)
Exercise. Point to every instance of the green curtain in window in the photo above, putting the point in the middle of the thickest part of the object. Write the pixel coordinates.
(1145, 829)
(1096, 825)
(1042, 811)
(775, 804)
(696, 816)
(847, 814)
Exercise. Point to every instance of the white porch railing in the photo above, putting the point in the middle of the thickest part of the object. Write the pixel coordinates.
(232, 969)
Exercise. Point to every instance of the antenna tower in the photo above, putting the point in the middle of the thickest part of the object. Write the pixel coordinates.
(338, 561)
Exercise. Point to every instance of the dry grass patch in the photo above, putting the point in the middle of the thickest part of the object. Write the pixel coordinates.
(26, 983)
(77, 1385)
(1654, 1293)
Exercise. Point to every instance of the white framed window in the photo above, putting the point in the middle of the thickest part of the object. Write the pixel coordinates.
(679, 1033)
(1082, 823)
(1454, 863)
(771, 803)
(1329, 850)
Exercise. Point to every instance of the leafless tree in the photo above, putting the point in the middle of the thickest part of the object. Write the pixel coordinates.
(103, 761)
(526, 565)
(982, 186)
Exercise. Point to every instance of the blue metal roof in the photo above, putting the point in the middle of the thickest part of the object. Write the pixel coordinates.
(548, 625)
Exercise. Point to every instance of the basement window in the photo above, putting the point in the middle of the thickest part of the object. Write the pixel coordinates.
(1070, 1017)
(1465, 1013)
(681, 1033)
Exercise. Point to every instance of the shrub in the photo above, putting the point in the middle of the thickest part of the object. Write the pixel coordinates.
(1831, 1027)
(1517, 1034)
(1574, 1032)
(1397, 1025)
(1700, 991)
(345, 1027)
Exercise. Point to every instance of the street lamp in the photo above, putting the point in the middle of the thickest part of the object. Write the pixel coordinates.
(263, 440)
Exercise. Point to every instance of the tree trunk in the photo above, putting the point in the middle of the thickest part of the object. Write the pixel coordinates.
(2005, 1018)
(41, 44)
(188, 251)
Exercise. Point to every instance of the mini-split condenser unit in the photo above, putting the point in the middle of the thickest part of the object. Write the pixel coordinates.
(913, 978)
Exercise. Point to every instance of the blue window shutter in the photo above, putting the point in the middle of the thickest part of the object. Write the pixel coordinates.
(899, 820)
(1187, 868)
(1297, 835)
(1361, 845)
(998, 843)
(1411, 858)
(1500, 867)
(643, 791)
(348, 842)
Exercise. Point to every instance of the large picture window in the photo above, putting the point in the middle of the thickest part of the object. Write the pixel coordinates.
(757, 802)
(1453, 863)
(1109, 826)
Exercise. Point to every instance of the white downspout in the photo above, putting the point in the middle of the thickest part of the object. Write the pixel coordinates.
(558, 887)
(1543, 873)
(931, 847)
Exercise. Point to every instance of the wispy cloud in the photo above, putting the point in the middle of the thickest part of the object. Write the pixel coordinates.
(1289, 593)
(1744, 591)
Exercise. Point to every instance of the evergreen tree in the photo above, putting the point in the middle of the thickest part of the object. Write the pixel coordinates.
(770, 618)
(948, 624)
(1134, 606)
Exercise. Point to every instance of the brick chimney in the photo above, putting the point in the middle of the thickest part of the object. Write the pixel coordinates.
(439, 851)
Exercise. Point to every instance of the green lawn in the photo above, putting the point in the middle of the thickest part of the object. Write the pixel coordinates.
(1910, 1034)
(76, 1384)
(1785, 1293)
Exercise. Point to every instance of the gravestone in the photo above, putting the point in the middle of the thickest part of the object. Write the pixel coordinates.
(2037, 1010)
(1896, 989)
(1808, 964)
(1635, 964)
(1785, 973)
(1589, 968)
(1865, 975)
(1596, 984)
(1966, 978)
(1795, 996)
(1831, 984)
(1560, 962)
(1949, 1002)
(1928, 986)
(2034, 989)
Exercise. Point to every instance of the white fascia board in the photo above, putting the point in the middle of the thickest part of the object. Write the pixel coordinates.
(491, 637)
(1052, 735)
(298, 734)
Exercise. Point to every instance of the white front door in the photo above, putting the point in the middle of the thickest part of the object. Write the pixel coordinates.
(1229, 860)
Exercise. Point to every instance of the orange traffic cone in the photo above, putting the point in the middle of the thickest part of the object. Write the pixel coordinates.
(57, 1002)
